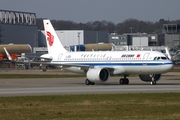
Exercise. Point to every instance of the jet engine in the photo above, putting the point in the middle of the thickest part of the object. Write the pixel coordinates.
(98, 74)
(148, 78)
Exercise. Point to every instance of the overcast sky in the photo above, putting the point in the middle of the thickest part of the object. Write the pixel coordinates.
(91, 10)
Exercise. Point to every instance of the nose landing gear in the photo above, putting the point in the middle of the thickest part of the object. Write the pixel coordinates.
(153, 82)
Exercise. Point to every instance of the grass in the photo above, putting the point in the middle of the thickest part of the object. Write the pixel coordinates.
(92, 107)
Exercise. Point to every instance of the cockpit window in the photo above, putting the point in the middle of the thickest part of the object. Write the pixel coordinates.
(163, 58)
(160, 58)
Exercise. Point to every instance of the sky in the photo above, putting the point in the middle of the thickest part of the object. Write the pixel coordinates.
(85, 11)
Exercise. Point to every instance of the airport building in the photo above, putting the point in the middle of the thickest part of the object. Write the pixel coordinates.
(135, 39)
(18, 28)
(172, 35)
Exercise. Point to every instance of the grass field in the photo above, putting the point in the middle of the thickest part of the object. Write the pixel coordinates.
(160, 106)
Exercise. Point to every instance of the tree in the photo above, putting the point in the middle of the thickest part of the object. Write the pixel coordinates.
(108, 26)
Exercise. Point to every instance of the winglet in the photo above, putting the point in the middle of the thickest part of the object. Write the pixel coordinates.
(167, 53)
(7, 53)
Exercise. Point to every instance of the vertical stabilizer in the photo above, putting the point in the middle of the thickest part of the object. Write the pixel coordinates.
(54, 45)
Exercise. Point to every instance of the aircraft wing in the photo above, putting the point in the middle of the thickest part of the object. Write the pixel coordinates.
(47, 61)
(52, 64)
(112, 69)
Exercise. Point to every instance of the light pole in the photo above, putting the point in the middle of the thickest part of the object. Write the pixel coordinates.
(140, 39)
(35, 41)
(97, 37)
(131, 29)
(79, 41)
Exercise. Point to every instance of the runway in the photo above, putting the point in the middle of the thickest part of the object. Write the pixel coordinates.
(89, 90)
(63, 86)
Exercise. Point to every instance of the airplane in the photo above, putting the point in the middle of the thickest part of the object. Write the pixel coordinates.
(100, 65)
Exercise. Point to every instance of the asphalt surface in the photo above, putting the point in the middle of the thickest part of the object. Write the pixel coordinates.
(169, 82)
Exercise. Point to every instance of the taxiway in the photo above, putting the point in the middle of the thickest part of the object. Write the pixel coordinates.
(63, 86)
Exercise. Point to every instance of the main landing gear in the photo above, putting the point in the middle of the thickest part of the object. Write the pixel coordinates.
(87, 82)
(124, 80)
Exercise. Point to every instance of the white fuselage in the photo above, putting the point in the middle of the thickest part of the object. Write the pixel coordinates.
(122, 62)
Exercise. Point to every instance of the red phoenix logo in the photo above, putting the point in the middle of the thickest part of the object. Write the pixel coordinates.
(138, 55)
(50, 38)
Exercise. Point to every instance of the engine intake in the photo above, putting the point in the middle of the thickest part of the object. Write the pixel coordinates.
(148, 78)
(98, 74)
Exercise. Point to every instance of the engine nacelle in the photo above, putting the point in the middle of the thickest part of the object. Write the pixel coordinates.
(148, 78)
(98, 74)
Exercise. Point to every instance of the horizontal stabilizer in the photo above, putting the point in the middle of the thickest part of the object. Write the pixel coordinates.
(46, 56)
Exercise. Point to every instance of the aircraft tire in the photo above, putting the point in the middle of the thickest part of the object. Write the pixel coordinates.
(87, 82)
(126, 81)
(121, 81)
(153, 82)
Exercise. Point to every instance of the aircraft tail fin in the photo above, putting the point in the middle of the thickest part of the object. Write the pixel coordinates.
(54, 45)
(7, 53)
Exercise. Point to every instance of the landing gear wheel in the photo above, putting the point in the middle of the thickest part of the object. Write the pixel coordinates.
(153, 82)
(123, 81)
(87, 82)
(126, 81)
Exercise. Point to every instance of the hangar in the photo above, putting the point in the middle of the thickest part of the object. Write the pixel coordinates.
(18, 28)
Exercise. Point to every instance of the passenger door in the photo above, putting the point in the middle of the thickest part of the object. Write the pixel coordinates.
(145, 58)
